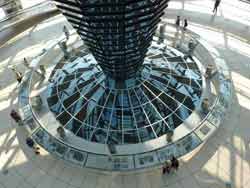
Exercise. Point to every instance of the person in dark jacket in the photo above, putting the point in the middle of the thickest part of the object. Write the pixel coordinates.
(185, 24)
(66, 32)
(178, 21)
(16, 117)
(30, 143)
(19, 75)
(166, 168)
(216, 5)
(174, 163)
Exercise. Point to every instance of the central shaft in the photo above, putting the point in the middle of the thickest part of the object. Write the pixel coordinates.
(117, 32)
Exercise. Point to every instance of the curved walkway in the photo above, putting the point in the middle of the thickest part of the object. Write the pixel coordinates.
(25, 22)
(223, 161)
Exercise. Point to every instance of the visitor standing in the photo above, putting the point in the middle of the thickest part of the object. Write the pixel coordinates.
(19, 75)
(161, 33)
(26, 63)
(174, 163)
(60, 130)
(185, 24)
(191, 47)
(166, 168)
(16, 117)
(216, 5)
(64, 48)
(205, 105)
(66, 32)
(30, 142)
(178, 21)
(42, 70)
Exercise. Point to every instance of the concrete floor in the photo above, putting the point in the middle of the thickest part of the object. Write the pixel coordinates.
(223, 161)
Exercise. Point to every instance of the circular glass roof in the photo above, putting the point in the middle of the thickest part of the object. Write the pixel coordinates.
(99, 109)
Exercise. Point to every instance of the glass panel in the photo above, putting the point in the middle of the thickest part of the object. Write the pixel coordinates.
(73, 125)
(73, 109)
(133, 98)
(153, 89)
(76, 156)
(160, 128)
(105, 118)
(60, 149)
(141, 96)
(182, 112)
(52, 100)
(146, 134)
(152, 114)
(81, 115)
(130, 137)
(85, 132)
(93, 117)
(141, 119)
(187, 144)
(169, 102)
(115, 137)
(116, 120)
(166, 153)
(99, 135)
(99, 161)
(64, 117)
(144, 160)
(70, 100)
(122, 162)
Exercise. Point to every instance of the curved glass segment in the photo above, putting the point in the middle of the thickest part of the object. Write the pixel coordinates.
(164, 96)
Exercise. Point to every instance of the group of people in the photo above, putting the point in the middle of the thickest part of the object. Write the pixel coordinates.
(19, 74)
(173, 164)
(16, 117)
(29, 141)
(14, 114)
(19, 77)
(185, 21)
(178, 23)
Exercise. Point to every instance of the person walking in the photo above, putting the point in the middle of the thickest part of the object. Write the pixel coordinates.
(185, 24)
(216, 5)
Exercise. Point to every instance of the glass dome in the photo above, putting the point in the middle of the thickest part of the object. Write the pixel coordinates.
(100, 109)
